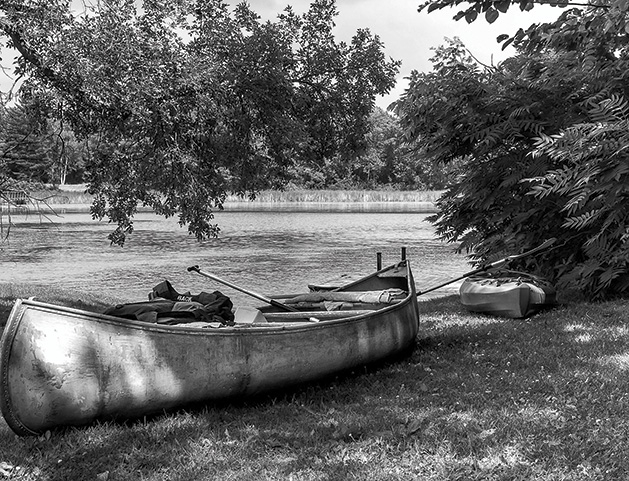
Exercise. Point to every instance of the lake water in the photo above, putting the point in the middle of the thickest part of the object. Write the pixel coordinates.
(265, 252)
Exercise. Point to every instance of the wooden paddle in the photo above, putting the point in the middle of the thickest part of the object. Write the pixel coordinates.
(242, 289)
(494, 265)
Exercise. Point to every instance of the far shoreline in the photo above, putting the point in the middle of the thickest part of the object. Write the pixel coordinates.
(74, 199)
(250, 206)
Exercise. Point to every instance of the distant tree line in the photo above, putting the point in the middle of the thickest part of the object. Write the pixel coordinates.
(32, 152)
(43, 151)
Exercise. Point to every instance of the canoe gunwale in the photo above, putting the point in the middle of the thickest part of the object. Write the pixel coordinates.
(236, 330)
(240, 329)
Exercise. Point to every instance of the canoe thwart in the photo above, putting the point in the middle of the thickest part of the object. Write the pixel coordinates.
(386, 296)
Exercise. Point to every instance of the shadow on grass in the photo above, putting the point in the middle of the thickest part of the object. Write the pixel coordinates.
(477, 398)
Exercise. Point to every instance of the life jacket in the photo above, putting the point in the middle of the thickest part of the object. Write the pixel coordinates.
(167, 306)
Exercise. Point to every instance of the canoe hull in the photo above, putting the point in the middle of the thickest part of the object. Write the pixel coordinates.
(62, 366)
(506, 297)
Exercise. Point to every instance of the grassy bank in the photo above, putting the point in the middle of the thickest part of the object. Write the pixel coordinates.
(9, 292)
(479, 398)
(77, 195)
(343, 196)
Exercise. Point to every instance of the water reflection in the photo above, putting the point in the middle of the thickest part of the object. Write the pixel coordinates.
(268, 252)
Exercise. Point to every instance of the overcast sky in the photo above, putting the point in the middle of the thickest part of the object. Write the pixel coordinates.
(407, 35)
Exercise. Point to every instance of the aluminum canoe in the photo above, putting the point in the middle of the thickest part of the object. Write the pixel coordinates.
(61, 366)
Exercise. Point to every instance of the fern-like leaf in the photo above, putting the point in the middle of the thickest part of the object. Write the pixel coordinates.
(580, 222)
(612, 109)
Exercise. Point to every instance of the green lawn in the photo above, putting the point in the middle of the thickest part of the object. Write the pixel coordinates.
(478, 398)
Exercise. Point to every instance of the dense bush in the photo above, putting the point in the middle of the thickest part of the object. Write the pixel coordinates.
(591, 189)
(541, 141)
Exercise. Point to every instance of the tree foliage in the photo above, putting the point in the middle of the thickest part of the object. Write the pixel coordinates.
(591, 190)
(35, 150)
(186, 101)
(385, 163)
(24, 153)
(541, 140)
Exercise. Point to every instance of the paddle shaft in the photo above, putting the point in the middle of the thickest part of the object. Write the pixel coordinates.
(493, 265)
(242, 289)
